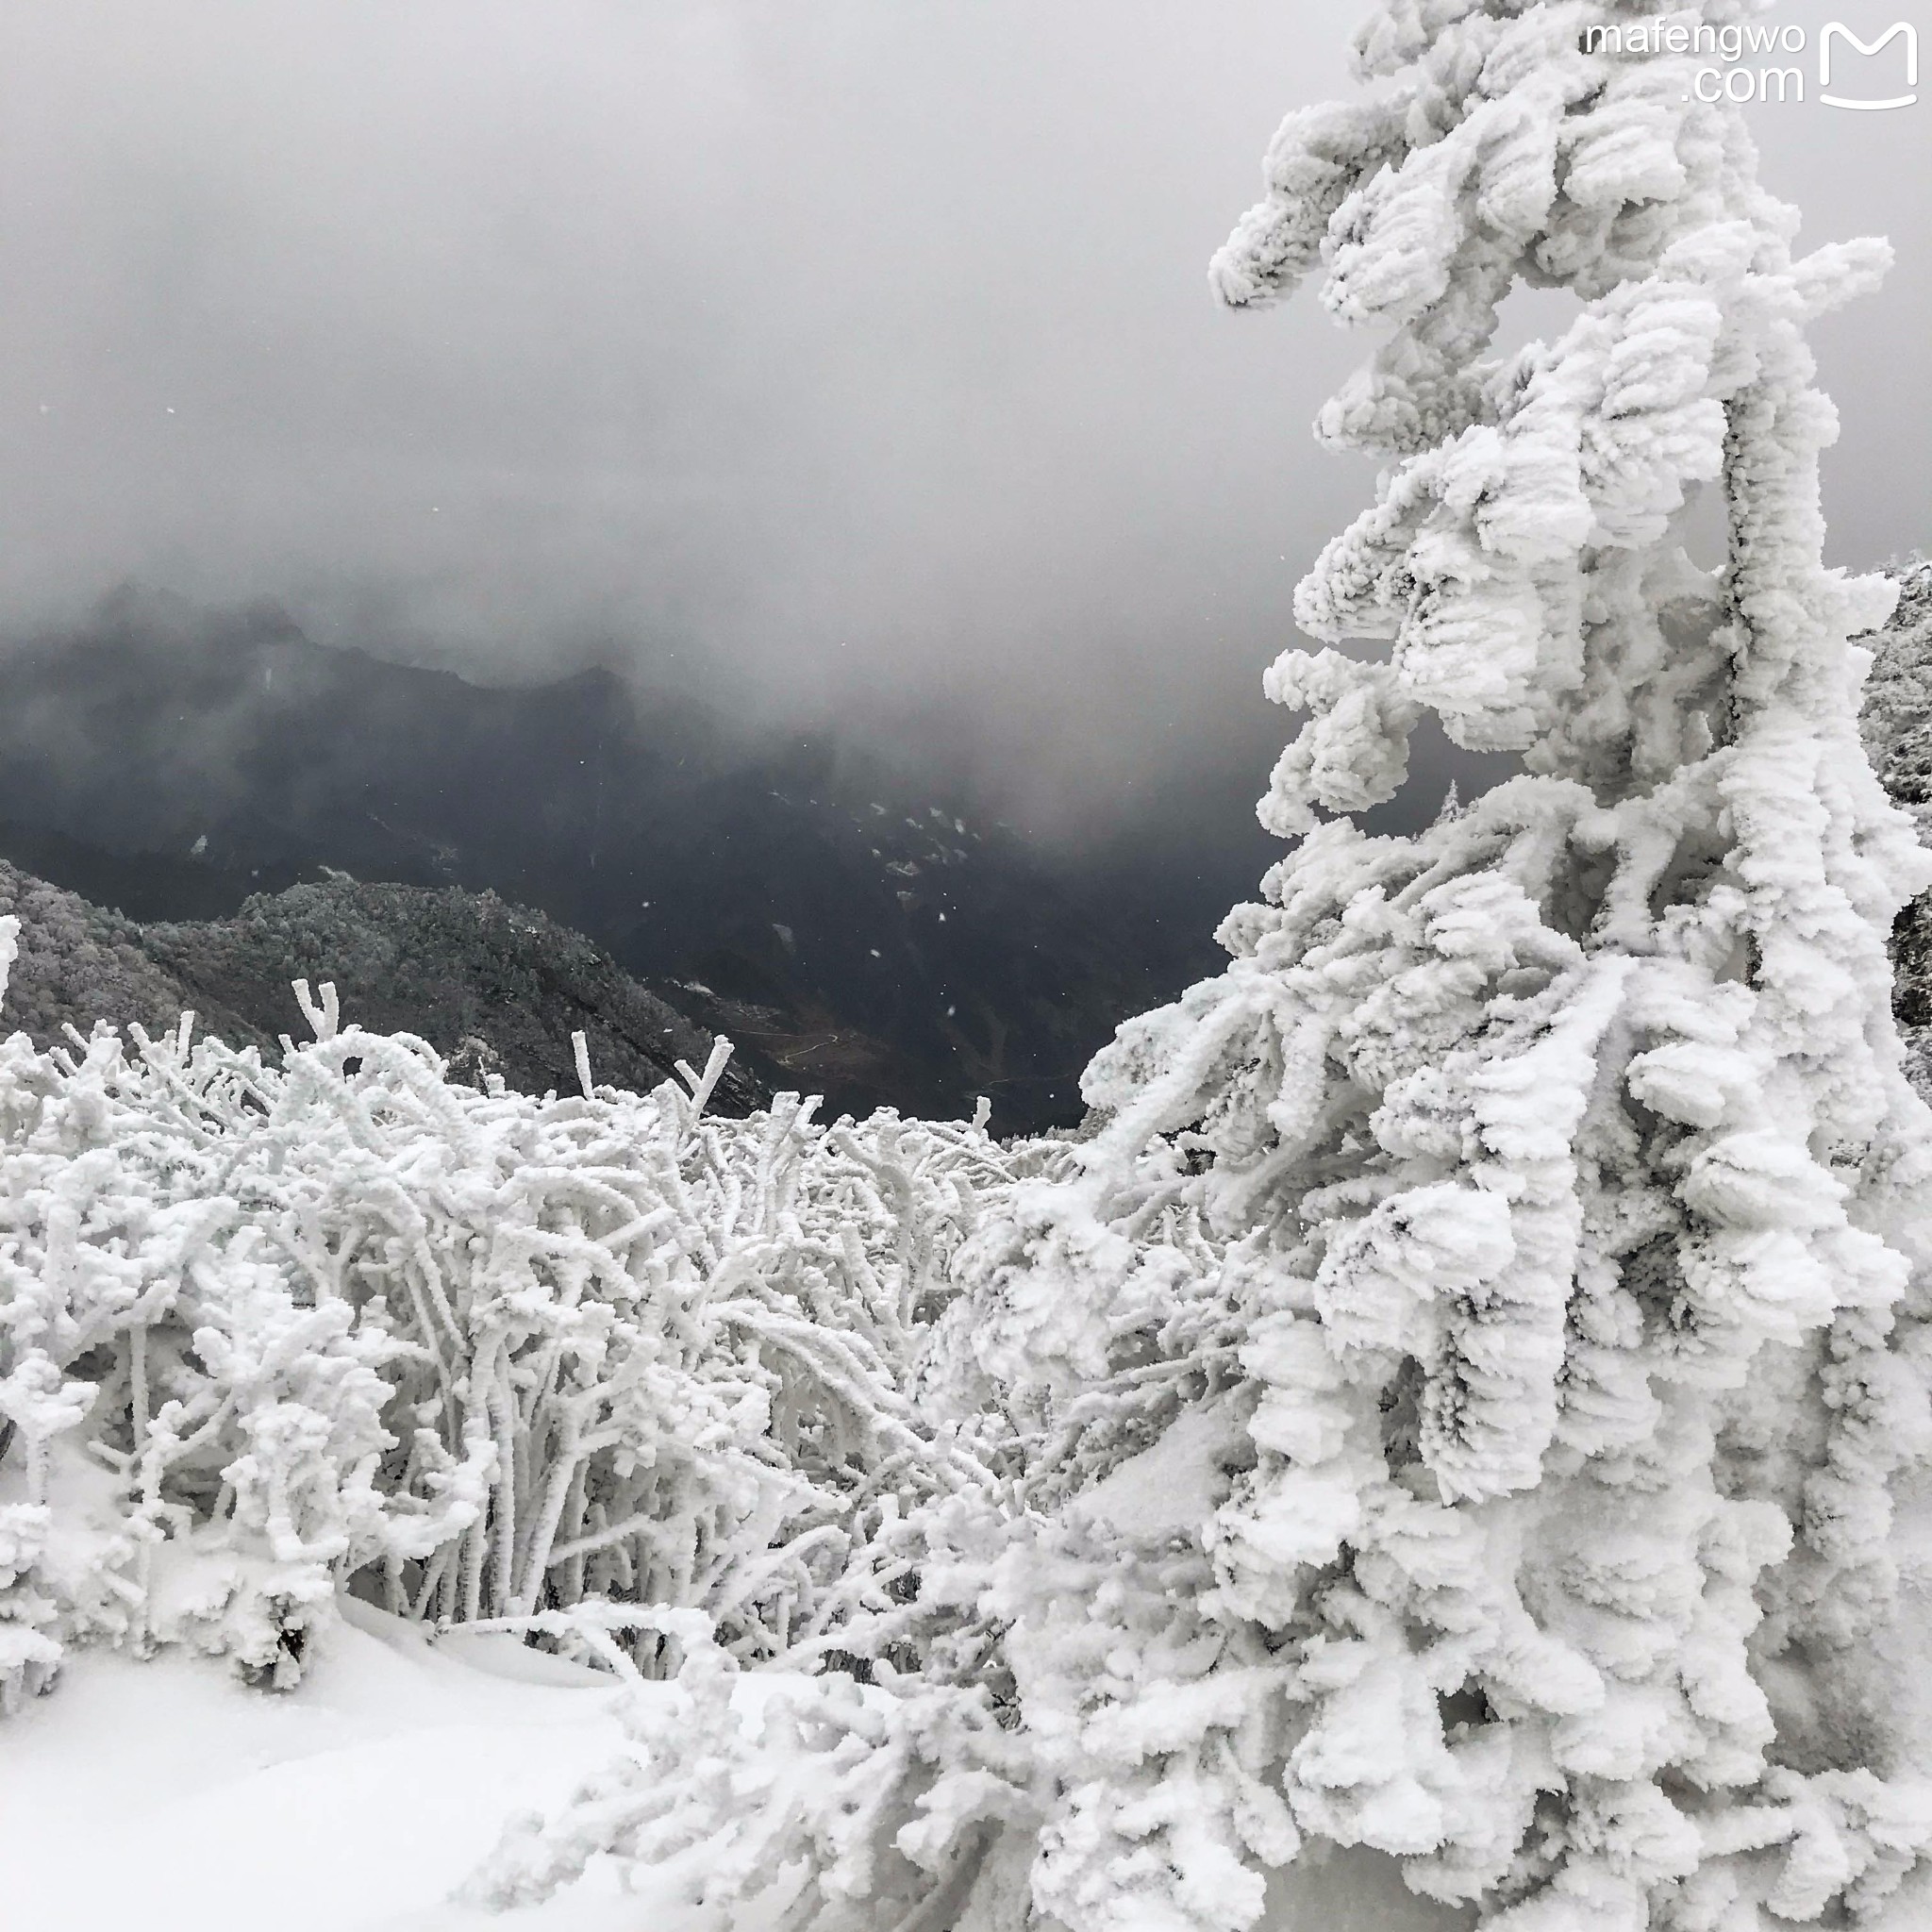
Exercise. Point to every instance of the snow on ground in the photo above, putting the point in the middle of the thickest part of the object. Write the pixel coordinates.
(168, 1795)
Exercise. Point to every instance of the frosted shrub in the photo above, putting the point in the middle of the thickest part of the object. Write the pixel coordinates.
(266, 1332)
(1035, 1665)
(822, 1804)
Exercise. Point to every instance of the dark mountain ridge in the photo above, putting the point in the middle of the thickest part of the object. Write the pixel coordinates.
(212, 792)
(857, 935)
(494, 988)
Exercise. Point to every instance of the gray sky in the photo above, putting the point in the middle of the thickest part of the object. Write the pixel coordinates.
(837, 353)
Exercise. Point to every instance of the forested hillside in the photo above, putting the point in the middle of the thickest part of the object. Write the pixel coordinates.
(495, 988)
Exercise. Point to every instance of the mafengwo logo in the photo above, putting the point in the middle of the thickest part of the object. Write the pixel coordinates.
(1838, 38)
(1756, 62)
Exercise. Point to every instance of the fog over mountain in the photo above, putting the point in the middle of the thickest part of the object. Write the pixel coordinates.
(857, 929)
(845, 362)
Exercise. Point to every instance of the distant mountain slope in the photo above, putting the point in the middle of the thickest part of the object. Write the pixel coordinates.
(78, 963)
(877, 943)
(1897, 721)
(849, 941)
(493, 987)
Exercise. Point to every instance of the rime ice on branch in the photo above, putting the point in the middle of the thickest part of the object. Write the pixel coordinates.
(268, 1334)
(1576, 1195)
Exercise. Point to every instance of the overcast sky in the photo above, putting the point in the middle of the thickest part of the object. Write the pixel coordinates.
(840, 353)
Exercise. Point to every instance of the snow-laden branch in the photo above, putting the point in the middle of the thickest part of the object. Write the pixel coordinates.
(268, 1332)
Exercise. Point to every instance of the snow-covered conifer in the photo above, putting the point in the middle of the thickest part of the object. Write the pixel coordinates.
(1568, 1194)
(1576, 1187)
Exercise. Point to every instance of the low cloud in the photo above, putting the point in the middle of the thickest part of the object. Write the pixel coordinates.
(847, 360)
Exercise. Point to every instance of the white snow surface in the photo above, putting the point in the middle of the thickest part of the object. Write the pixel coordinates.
(168, 1794)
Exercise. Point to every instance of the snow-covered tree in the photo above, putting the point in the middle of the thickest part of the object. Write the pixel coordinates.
(1576, 1191)
(1458, 1392)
